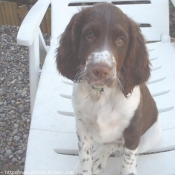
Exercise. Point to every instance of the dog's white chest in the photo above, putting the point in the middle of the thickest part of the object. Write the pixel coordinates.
(111, 122)
(107, 114)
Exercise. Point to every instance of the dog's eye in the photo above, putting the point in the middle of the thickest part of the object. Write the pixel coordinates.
(90, 35)
(120, 41)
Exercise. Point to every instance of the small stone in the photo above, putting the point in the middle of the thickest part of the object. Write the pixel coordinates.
(10, 139)
(9, 143)
(2, 152)
(25, 136)
(14, 160)
(11, 156)
(21, 123)
(21, 110)
(16, 138)
(1, 109)
(12, 82)
(1, 92)
(12, 148)
(22, 161)
(5, 160)
(19, 134)
(5, 103)
(8, 152)
(2, 115)
(21, 167)
(20, 152)
(18, 95)
(16, 125)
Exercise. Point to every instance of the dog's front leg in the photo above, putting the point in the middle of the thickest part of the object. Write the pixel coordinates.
(129, 157)
(85, 144)
(129, 162)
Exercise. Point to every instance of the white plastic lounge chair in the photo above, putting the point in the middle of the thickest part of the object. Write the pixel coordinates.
(52, 139)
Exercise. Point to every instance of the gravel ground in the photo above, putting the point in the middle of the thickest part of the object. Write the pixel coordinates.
(15, 100)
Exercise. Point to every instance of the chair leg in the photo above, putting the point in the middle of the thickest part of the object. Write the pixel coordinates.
(34, 62)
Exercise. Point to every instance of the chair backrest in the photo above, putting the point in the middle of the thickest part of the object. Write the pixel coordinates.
(152, 15)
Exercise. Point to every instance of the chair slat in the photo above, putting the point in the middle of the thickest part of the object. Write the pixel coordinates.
(166, 143)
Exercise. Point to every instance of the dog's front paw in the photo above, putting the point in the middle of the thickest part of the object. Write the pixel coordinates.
(99, 163)
(80, 171)
(128, 174)
(128, 171)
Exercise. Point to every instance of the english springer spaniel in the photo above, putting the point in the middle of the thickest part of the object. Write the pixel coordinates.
(104, 53)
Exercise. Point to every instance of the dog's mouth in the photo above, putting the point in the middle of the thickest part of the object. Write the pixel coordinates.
(101, 83)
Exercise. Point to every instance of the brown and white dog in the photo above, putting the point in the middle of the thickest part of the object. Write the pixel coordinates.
(104, 53)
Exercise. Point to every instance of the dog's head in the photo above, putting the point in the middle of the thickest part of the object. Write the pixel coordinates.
(102, 46)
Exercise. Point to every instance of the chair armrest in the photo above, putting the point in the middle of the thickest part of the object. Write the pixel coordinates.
(31, 23)
(173, 1)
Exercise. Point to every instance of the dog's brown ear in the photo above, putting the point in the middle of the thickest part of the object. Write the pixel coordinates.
(136, 67)
(66, 57)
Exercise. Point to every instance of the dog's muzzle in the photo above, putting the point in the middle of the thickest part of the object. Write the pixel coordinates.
(100, 69)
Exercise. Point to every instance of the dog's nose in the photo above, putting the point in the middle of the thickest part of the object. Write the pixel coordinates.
(101, 71)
